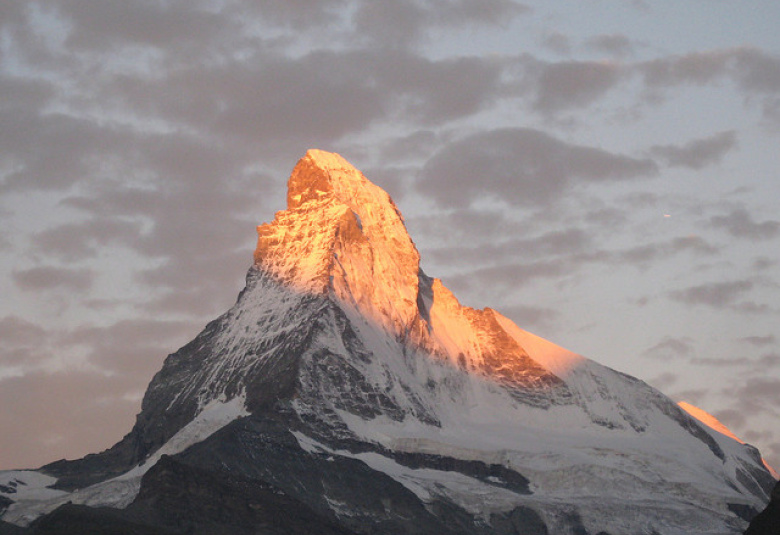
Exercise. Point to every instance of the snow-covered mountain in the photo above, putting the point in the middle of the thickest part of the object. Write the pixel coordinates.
(357, 390)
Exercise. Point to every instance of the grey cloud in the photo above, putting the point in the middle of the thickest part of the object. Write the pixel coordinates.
(103, 24)
(759, 341)
(512, 275)
(698, 153)
(527, 317)
(643, 254)
(695, 68)
(412, 146)
(71, 146)
(716, 362)
(466, 12)
(557, 42)
(670, 348)
(757, 394)
(74, 241)
(740, 223)
(50, 277)
(559, 242)
(396, 24)
(22, 343)
(615, 44)
(568, 85)
(133, 346)
(296, 14)
(402, 23)
(521, 167)
(17, 331)
(757, 70)
(664, 381)
(717, 294)
(762, 263)
(754, 71)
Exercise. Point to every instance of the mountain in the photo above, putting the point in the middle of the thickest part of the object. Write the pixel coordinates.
(347, 390)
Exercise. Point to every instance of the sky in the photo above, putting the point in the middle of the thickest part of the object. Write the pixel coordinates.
(603, 172)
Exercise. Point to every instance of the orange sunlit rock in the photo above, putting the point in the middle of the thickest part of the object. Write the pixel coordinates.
(712, 422)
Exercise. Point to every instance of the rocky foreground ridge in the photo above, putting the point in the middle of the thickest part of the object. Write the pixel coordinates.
(348, 392)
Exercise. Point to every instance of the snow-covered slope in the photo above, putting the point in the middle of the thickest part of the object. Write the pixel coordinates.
(364, 358)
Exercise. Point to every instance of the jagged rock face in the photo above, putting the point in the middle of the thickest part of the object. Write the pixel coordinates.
(360, 389)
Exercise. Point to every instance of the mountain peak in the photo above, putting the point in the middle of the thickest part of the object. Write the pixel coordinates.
(343, 236)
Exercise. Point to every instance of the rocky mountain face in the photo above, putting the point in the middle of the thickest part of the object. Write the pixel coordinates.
(767, 522)
(348, 392)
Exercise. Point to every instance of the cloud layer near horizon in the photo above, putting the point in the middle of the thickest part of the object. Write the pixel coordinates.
(606, 182)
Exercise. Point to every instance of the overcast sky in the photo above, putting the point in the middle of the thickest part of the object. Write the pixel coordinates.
(604, 172)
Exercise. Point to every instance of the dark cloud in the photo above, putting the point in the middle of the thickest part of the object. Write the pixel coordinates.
(740, 223)
(698, 153)
(670, 348)
(522, 167)
(716, 294)
(617, 45)
(50, 277)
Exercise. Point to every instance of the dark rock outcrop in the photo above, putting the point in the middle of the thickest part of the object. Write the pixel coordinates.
(767, 522)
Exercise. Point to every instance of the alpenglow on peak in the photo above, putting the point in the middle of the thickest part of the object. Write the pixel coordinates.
(342, 234)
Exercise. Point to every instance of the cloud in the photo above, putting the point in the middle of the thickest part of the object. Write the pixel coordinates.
(664, 381)
(50, 277)
(643, 254)
(698, 153)
(757, 395)
(21, 344)
(403, 23)
(615, 44)
(716, 294)
(567, 85)
(696, 68)
(74, 241)
(520, 166)
(759, 341)
(540, 318)
(134, 347)
(754, 71)
(557, 42)
(740, 223)
(106, 24)
(670, 348)
(552, 243)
